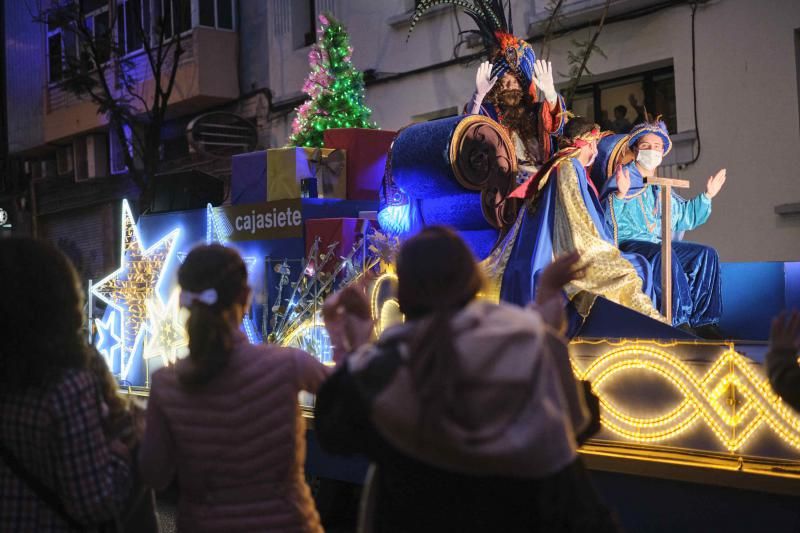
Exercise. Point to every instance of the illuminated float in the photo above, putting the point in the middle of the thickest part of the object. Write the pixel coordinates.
(666, 398)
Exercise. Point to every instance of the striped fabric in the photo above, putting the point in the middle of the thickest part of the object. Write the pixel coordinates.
(56, 433)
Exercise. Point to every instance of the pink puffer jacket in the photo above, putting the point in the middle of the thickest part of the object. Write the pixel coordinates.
(237, 444)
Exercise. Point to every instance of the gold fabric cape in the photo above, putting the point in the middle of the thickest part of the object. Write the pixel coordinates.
(609, 274)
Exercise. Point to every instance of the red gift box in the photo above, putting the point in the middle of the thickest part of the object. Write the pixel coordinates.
(366, 158)
(330, 230)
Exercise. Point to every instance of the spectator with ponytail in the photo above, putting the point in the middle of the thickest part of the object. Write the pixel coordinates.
(225, 420)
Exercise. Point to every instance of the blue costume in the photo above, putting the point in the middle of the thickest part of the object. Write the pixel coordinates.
(635, 223)
(566, 215)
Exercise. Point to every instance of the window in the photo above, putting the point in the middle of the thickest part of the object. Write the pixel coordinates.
(132, 17)
(618, 104)
(117, 151)
(55, 55)
(304, 23)
(176, 16)
(98, 24)
(216, 13)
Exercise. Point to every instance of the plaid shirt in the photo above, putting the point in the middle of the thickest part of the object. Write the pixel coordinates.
(56, 433)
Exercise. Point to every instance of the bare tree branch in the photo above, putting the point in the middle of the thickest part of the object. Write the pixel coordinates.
(588, 48)
(100, 69)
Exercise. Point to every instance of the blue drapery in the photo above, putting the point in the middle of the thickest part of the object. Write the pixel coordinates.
(533, 248)
(696, 280)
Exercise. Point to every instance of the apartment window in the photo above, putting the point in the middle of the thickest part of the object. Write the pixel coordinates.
(304, 23)
(92, 5)
(55, 54)
(216, 13)
(117, 150)
(176, 16)
(132, 17)
(619, 104)
(97, 21)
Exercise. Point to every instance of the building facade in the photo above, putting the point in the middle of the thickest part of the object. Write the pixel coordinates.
(723, 73)
(736, 73)
(68, 160)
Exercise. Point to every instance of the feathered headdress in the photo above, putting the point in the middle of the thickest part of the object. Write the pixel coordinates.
(506, 51)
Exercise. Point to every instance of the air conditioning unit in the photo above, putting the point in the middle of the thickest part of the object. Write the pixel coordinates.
(64, 160)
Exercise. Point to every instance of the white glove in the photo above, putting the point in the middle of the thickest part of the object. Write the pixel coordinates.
(543, 78)
(484, 80)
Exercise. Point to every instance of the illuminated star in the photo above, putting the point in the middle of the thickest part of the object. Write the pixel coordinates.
(250, 330)
(219, 229)
(129, 288)
(108, 340)
(167, 334)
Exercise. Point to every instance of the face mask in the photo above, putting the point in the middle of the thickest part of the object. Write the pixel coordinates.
(649, 159)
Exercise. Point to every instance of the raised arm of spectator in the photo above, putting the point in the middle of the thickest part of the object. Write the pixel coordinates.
(310, 373)
(782, 367)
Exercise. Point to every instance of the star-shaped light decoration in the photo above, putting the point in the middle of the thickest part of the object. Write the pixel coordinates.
(219, 229)
(167, 333)
(129, 288)
(108, 340)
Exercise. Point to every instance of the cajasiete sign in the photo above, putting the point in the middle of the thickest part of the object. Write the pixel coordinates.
(282, 219)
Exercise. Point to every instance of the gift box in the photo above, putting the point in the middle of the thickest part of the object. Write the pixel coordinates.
(366, 158)
(306, 173)
(249, 178)
(343, 231)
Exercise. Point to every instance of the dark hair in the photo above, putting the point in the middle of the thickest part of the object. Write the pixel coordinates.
(437, 276)
(209, 326)
(41, 305)
(576, 127)
(621, 109)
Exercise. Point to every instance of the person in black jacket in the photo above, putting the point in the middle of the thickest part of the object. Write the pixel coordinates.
(469, 410)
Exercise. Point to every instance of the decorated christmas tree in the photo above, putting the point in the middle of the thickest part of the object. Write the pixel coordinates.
(335, 88)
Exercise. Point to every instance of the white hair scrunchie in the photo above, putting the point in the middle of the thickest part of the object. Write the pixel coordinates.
(208, 297)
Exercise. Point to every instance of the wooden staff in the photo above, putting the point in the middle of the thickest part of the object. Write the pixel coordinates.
(666, 185)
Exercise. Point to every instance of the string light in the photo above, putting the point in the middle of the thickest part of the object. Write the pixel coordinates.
(334, 87)
(731, 399)
(135, 283)
(108, 340)
(166, 331)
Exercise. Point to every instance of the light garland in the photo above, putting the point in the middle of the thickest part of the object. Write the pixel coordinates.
(108, 339)
(334, 87)
(130, 288)
(167, 335)
(730, 399)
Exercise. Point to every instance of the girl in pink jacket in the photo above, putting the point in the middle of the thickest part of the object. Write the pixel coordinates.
(226, 420)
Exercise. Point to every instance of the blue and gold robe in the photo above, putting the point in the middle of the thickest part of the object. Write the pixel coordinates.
(565, 216)
(635, 222)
